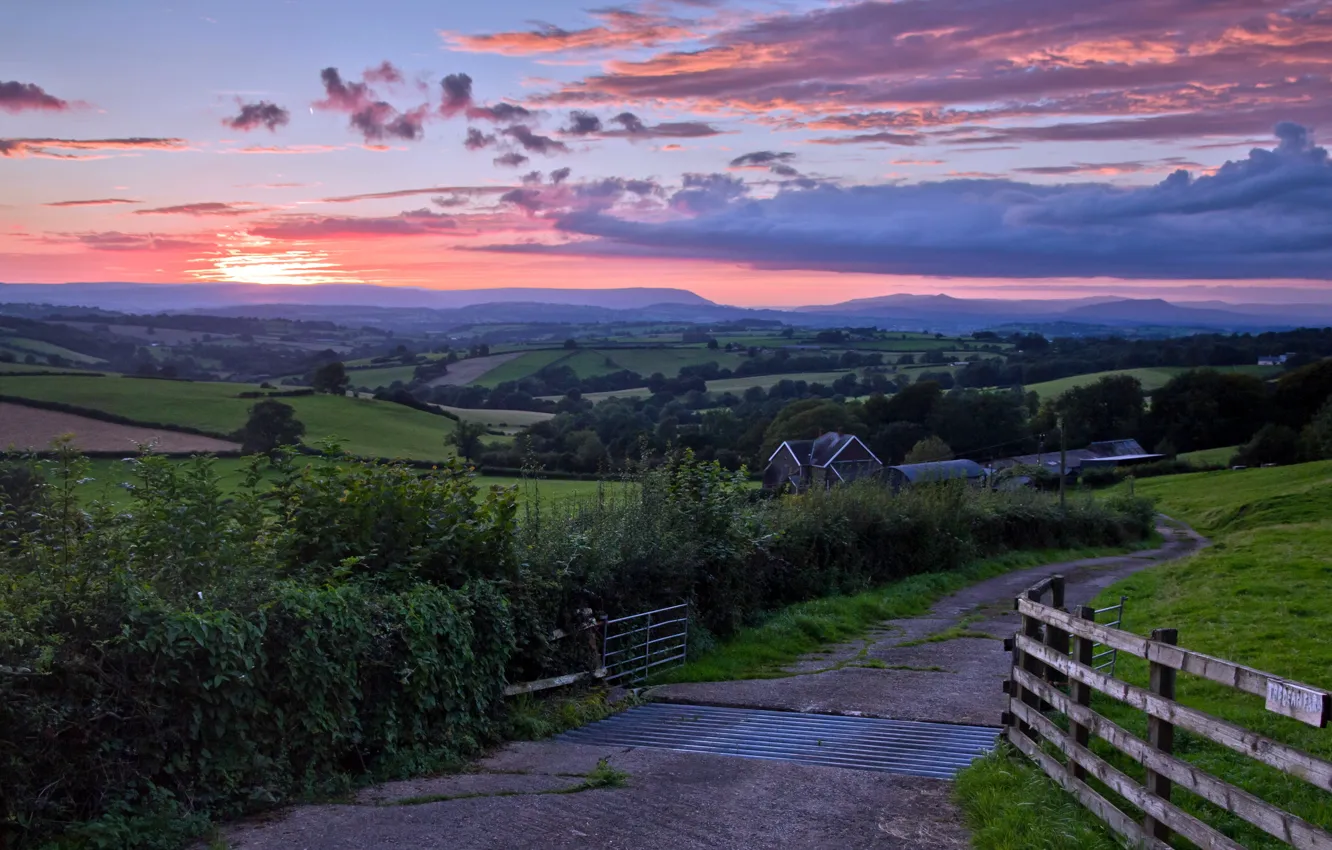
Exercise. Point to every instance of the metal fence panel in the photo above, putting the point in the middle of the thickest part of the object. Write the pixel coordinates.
(633, 647)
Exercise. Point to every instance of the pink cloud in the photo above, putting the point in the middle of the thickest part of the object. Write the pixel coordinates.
(1233, 68)
(95, 202)
(205, 208)
(46, 148)
(422, 222)
(619, 28)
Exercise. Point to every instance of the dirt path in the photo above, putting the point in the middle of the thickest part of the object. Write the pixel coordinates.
(946, 666)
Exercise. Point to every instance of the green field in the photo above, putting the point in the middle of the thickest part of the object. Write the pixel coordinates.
(20, 347)
(1150, 378)
(23, 368)
(669, 361)
(502, 420)
(521, 366)
(107, 478)
(722, 385)
(364, 426)
(1210, 457)
(1260, 596)
(382, 376)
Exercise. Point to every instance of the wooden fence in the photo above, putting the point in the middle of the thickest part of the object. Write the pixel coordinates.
(1052, 670)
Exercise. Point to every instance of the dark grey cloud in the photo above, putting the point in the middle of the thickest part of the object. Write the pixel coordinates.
(633, 127)
(375, 119)
(761, 158)
(884, 138)
(476, 140)
(20, 97)
(1266, 216)
(513, 159)
(630, 122)
(582, 123)
(532, 178)
(457, 90)
(500, 113)
(705, 193)
(559, 175)
(534, 142)
(255, 115)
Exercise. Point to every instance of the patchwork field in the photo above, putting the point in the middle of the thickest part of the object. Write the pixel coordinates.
(513, 366)
(30, 429)
(467, 371)
(1151, 378)
(363, 426)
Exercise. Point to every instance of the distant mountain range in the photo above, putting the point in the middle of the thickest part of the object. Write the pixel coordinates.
(419, 309)
(163, 297)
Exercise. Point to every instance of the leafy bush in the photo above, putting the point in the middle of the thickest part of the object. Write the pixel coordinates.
(199, 655)
(196, 656)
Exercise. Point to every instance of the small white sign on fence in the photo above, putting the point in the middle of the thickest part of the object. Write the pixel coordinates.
(1304, 704)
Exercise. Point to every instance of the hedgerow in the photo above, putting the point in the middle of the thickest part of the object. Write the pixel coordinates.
(195, 656)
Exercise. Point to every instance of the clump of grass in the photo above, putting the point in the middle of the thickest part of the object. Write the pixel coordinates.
(1043, 818)
(530, 718)
(952, 633)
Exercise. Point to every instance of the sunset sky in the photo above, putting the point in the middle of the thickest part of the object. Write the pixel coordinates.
(758, 153)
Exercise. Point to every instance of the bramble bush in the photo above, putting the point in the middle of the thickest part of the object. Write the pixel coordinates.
(199, 655)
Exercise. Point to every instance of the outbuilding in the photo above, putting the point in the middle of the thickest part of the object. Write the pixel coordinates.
(912, 474)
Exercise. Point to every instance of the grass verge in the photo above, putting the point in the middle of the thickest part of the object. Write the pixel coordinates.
(763, 651)
(1261, 596)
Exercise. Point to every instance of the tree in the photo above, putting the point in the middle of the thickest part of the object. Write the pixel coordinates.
(331, 378)
(712, 344)
(929, 450)
(1317, 435)
(466, 437)
(570, 344)
(1272, 444)
(1112, 408)
(1204, 409)
(271, 424)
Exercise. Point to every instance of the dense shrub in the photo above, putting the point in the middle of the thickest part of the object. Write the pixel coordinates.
(201, 654)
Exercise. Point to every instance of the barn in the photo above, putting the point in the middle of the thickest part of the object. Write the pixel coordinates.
(832, 459)
(911, 474)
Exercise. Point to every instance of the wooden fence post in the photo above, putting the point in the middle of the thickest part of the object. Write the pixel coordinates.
(1080, 691)
(1055, 638)
(1031, 627)
(1160, 733)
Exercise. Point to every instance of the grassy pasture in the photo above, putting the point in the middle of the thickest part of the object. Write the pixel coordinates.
(1210, 457)
(520, 367)
(1261, 596)
(364, 426)
(1151, 378)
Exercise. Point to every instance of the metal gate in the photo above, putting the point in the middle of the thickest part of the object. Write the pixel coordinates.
(1104, 657)
(633, 646)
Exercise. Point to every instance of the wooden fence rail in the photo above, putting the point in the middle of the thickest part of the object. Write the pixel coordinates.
(1052, 670)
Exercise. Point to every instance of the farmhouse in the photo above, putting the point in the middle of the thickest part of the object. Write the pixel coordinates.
(832, 459)
(910, 474)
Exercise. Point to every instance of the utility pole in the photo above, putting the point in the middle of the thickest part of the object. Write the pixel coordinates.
(1063, 462)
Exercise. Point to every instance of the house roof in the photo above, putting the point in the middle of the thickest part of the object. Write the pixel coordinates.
(822, 451)
(942, 470)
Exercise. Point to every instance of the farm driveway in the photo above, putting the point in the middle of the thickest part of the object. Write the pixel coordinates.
(525, 796)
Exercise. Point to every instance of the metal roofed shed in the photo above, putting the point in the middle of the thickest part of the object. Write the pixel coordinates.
(911, 474)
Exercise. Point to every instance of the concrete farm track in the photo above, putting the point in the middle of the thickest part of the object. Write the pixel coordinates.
(526, 795)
